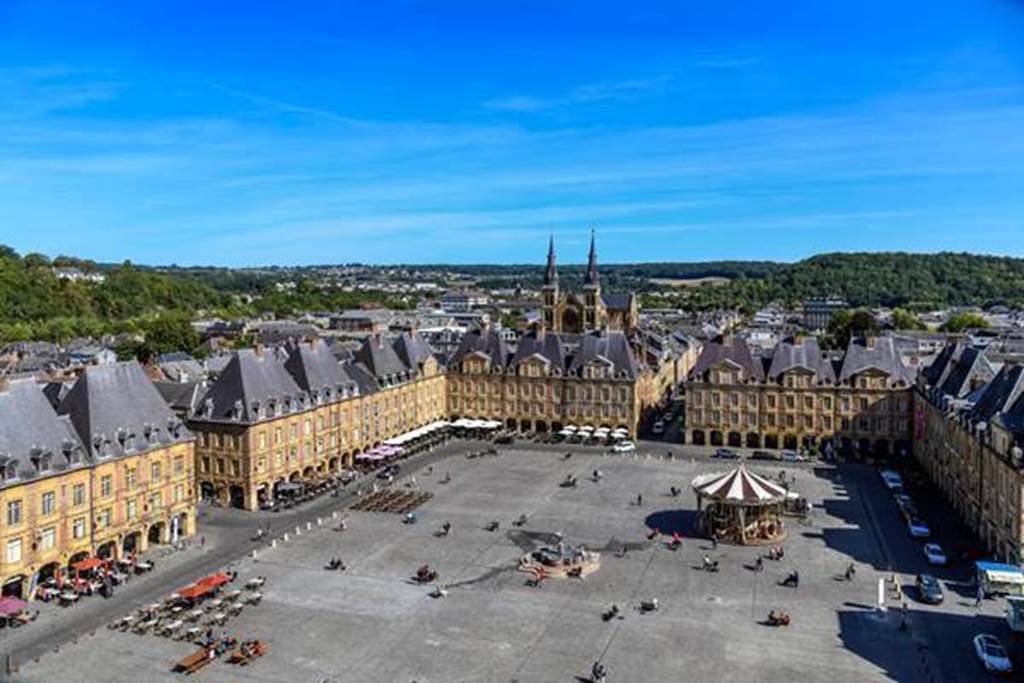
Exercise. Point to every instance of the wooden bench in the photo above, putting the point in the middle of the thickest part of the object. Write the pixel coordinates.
(258, 649)
(194, 662)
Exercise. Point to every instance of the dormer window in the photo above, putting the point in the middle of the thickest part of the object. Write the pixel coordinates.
(236, 410)
(10, 470)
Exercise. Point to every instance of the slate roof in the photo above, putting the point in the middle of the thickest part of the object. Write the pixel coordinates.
(618, 301)
(734, 350)
(1001, 393)
(878, 353)
(548, 345)
(488, 342)
(412, 349)
(610, 346)
(34, 439)
(966, 372)
(116, 410)
(181, 397)
(789, 354)
(315, 370)
(380, 358)
(254, 386)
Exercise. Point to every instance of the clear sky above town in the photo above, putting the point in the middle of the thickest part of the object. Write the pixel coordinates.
(299, 133)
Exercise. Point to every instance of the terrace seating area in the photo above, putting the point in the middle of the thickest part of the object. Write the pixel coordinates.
(391, 500)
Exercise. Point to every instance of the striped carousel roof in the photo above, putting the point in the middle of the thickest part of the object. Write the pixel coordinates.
(739, 486)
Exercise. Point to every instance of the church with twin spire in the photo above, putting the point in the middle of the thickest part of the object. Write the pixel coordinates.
(588, 310)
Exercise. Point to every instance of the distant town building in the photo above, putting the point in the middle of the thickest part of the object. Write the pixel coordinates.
(818, 313)
(463, 301)
(78, 275)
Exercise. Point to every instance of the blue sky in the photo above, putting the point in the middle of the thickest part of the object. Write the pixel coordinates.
(242, 133)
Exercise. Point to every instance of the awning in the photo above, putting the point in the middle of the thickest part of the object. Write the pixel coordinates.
(1004, 577)
(285, 486)
(88, 563)
(739, 486)
(214, 580)
(196, 590)
(10, 605)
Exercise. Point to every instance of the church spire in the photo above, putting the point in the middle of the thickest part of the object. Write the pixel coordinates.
(551, 274)
(591, 278)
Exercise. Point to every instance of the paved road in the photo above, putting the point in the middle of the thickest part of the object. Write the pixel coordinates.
(229, 539)
(945, 630)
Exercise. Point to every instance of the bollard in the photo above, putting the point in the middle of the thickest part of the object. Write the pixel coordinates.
(273, 543)
(285, 539)
(255, 553)
(309, 525)
(298, 530)
(319, 521)
(334, 514)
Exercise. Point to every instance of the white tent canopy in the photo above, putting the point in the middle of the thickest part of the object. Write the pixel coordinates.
(739, 486)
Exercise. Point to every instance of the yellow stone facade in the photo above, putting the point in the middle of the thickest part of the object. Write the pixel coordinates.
(238, 464)
(107, 508)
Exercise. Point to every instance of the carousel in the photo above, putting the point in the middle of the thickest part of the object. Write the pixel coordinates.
(741, 507)
(560, 561)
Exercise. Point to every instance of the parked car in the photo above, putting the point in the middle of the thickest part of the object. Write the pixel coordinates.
(725, 454)
(389, 471)
(658, 428)
(918, 528)
(892, 480)
(793, 456)
(507, 437)
(992, 654)
(934, 553)
(763, 455)
(902, 499)
(624, 447)
(929, 589)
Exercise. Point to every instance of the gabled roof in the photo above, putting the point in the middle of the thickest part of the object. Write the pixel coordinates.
(804, 354)
(735, 351)
(879, 354)
(116, 410)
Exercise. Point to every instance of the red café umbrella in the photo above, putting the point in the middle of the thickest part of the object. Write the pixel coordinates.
(88, 563)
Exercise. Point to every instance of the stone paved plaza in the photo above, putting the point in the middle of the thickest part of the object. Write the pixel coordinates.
(371, 623)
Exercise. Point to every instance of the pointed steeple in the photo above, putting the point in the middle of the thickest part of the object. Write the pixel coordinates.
(591, 278)
(551, 274)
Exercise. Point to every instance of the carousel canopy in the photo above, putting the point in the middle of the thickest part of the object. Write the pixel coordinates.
(739, 486)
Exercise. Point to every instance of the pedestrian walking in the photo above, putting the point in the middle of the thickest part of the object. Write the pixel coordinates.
(639, 499)
(980, 596)
(202, 541)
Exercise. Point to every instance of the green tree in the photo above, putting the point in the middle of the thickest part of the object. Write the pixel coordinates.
(903, 319)
(964, 321)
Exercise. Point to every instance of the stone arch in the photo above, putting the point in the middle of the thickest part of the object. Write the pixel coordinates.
(882, 448)
(236, 496)
(697, 437)
(789, 442)
(541, 427)
(771, 441)
(131, 543)
(156, 534)
(14, 587)
(716, 437)
(735, 439)
(207, 491)
(753, 440)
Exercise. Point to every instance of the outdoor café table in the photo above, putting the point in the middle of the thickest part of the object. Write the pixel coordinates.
(118, 577)
(233, 594)
(194, 615)
(69, 597)
(146, 625)
(214, 604)
(254, 597)
(255, 583)
(173, 626)
(193, 632)
(143, 566)
(151, 607)
(218, 618)
(176, 609)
